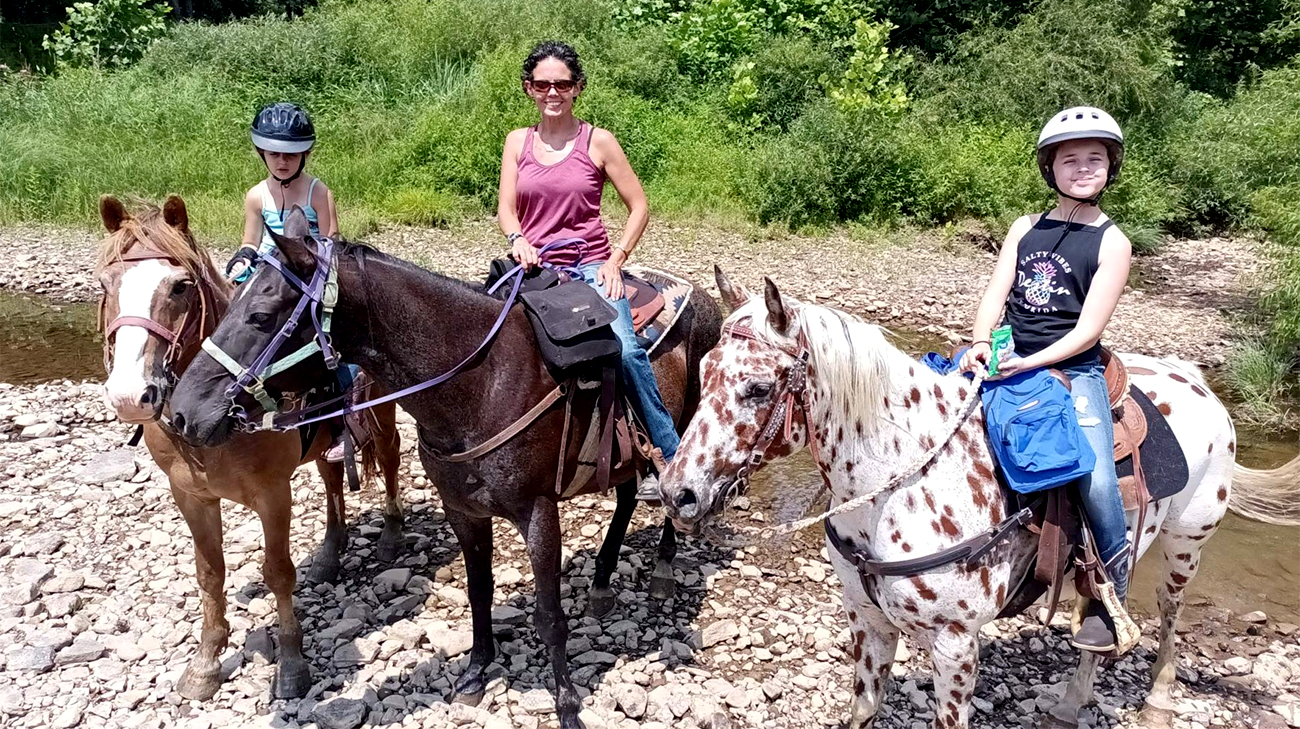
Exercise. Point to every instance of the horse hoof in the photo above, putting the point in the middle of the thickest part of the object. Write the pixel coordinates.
(292, 680)
(196, 685)
(323, 571)
(1156, 717)
(601, 602)
(387, 551)
(663, 588)
(571, 721)
(468, 699)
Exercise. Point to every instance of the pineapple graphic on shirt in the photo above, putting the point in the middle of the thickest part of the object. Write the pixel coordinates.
(1039, 290)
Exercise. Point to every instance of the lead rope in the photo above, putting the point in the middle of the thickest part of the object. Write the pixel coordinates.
(791, 527)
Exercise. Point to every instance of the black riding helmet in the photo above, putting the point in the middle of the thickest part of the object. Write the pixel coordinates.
(283, 127)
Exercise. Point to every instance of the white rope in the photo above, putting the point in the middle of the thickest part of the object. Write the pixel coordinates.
(791, 527)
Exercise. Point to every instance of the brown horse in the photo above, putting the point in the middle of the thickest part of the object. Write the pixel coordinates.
(406, 326)
(161, 296)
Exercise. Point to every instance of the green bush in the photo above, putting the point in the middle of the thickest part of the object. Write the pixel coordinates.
(1236, 148)
(1064, 53)
(771, 87)
(1219, 44)
(107, 33)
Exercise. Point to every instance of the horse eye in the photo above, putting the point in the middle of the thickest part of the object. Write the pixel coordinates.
(180, 287)
(758, 389)
(260, 319)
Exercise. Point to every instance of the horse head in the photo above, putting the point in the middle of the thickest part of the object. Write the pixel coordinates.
(160, 295)
(261, 350)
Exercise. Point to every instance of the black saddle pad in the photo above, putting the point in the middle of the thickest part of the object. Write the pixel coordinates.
(1163, 460)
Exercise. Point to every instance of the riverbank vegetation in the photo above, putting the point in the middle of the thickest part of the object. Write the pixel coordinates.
(793, 113)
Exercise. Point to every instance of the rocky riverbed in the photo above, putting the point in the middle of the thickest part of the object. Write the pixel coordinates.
(99, 615)
(930, 282)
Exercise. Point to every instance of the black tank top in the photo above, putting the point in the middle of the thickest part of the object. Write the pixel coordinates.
(1054, 269)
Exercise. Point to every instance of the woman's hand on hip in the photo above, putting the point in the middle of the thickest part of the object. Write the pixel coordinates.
(524, 253)
(610, 275)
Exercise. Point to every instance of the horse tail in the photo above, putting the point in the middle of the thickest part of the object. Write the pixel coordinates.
(1268, 495)
(368, 455)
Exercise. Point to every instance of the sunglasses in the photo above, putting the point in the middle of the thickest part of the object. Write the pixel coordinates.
(544, 87)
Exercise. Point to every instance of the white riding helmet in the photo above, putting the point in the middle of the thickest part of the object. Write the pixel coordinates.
(1080, 122)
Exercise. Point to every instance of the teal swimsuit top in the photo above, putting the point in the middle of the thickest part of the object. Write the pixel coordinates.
(274, 218)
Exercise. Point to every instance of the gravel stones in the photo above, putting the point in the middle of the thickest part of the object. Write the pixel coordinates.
(340, 713)
(31, 659)
(114, 465)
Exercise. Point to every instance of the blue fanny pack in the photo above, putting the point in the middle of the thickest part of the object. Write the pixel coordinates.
(1034, 432)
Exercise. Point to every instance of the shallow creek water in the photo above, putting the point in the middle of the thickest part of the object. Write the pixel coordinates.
(1246, 566)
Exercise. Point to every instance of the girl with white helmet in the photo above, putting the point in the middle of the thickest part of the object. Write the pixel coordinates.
(1059, 276)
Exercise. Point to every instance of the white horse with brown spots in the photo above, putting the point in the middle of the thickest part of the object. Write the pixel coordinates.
(874, 413)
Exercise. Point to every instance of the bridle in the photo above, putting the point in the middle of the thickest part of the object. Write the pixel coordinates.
(318, 299)
(189, 329)
(793, 394)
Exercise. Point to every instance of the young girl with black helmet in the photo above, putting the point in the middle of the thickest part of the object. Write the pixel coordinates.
(283, 136)
(1060, 275)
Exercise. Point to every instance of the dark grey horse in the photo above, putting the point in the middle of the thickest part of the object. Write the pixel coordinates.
(405, 325)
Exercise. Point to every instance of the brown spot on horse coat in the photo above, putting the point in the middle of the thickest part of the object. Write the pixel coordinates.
(949, 526)
(1200, 391)
(923, 590)
(1232, 447)
(1177, 377)
(1223, 494)
(984, 581)
(1164, 409)
(915, 396)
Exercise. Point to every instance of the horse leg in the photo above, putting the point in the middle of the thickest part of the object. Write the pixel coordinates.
(663, 586)
(1182, 554)
(292, 674)
(875, 642)
(600, 602)
(387, 445)
(325, 564)
(542, 535)
(1065, 713)
(475, 537)
(955, 654)
(202, 677)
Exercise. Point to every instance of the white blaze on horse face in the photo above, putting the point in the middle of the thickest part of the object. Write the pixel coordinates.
(127, 382)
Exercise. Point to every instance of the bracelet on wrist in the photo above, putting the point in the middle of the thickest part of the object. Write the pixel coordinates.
(512, 237)
(981, 341)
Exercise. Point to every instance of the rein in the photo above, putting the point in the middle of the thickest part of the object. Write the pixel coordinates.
(320, 298)
(795, 393)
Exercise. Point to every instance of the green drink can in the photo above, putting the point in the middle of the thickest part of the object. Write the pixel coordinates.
(1002, 346)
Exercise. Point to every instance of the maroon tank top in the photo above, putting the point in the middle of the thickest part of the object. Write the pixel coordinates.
(562, 200)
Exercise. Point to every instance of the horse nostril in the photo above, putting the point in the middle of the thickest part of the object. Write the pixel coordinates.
(150, 396)
(178, 422)
(685, 498)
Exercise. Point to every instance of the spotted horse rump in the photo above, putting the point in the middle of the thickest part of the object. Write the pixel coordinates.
(869, 414)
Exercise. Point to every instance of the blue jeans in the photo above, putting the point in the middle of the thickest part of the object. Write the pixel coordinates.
(1100, 489)
(637, 373)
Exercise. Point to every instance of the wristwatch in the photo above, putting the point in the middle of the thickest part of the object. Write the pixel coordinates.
(626, 253)
(512, 237)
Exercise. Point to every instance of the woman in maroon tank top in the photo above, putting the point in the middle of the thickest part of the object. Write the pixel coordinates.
(552, 177)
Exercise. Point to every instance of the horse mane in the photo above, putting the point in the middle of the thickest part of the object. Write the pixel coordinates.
(362, 252)
(850, 357)
(148, 230)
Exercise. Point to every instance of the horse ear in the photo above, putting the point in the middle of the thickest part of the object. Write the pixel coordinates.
(295, 245)
(113, 213)
(175, 214)
(777, 315)
(296, 225)
(733, 295)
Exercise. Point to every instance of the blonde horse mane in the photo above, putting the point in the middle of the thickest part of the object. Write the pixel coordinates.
(850, 358)
(149, 231)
